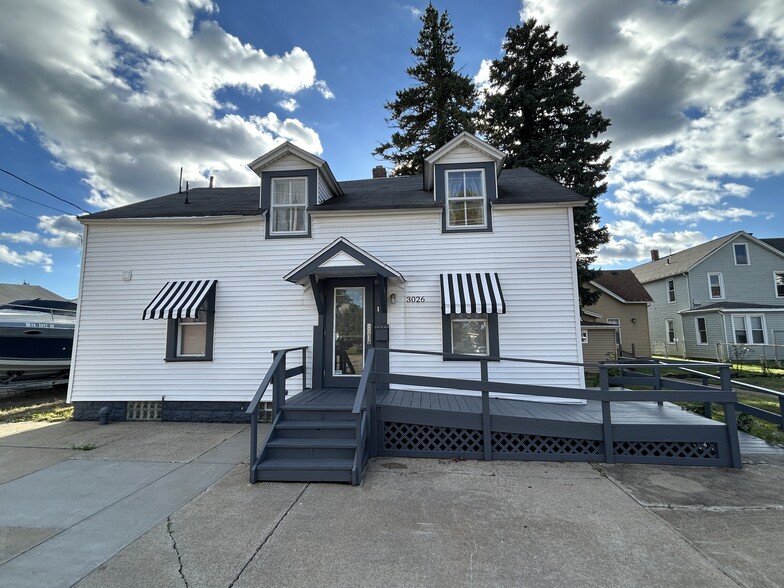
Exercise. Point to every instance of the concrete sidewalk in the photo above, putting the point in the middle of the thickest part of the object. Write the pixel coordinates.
(168, 504)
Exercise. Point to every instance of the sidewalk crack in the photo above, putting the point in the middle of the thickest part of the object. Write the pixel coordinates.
(170, 531)
(269, 535)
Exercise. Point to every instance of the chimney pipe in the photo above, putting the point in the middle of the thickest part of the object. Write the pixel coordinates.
(379, 172)
(654, 255)
(212, 179)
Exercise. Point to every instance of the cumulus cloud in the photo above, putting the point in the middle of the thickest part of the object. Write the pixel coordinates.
(289, 104)
(693, 90)
(20, 237)
(125, 92)
(33, 257)
(60, 231)
(630, 241)
(413, 10)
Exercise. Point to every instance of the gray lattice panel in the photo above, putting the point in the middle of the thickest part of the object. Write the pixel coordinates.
(667, 450)
(404, 437)
(522, 443)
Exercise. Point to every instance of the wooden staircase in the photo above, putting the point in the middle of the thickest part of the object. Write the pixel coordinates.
(310, 443)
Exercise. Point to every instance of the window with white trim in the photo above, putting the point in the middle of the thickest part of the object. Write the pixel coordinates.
(778, 282)
(584, 337)
(715, 286)
(466, 199)
(671, 290)
(748, 328)
(288, 206)
(669, 327)
(616, 321)
(741, 254)
(701, 328)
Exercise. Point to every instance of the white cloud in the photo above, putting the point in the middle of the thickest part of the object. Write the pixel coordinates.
(61, 231)
(413, 10)
(20, 237)
(34, 257)
(125, 92)
(289, 104)
(630, 241)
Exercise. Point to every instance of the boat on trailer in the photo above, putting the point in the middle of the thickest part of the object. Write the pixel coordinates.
(36, 337)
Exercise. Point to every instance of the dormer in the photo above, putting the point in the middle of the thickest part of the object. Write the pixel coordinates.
(293, 182)
(463, 175)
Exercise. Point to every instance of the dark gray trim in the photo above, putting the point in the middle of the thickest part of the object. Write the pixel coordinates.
(491, 195)
(266, 193)
(183, 411)
(371, 268)
(172, 332)
(493, 339)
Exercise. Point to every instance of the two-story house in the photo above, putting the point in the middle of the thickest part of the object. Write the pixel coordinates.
(184, 296)
(723, 299)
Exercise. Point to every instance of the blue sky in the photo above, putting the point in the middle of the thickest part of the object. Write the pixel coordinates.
(102, 107)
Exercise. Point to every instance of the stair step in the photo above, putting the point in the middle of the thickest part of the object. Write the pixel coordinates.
(315, 443)
(318, 407)
(316, 425)
(306, 464)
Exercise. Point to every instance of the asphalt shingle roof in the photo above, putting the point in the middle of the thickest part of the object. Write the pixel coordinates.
(727, 305)
(624, 284)
(515, 186)
(777, 242)
(680, 262)
(11, 292)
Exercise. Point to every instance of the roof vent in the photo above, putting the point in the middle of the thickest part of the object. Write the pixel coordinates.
(654, 255)
(379, 172)
(212, 181)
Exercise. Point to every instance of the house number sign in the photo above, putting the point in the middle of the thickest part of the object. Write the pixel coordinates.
(415, 299)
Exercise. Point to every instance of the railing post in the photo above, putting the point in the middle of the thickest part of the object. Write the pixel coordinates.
(278, 385)
(730, 419)
(304, 368)
(254, 443)
(609, 453)
(371, 400)
(604, 378)
(707, 406)
(781, 412)
(657, 385)
(487, 434)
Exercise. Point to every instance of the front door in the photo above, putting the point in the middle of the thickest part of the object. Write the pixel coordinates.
(348, 330)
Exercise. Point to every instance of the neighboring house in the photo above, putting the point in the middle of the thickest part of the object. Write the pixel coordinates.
(11, 292)
(717, 299)
(183, 297)
(617, 325)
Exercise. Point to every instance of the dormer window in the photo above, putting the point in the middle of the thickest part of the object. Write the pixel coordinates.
(466, 199)
(288, 214)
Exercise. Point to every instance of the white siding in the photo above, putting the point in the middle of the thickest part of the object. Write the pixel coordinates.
(322, 192)
(288, 163)
(119, 356)
(464, 154)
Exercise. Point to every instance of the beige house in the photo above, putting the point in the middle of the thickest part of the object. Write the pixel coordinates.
(617, 325)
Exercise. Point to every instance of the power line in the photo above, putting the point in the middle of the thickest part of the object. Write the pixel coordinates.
(41, 221)
(35, 201)
(5, 171)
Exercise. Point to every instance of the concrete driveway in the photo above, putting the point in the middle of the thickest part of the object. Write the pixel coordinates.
(168, 504)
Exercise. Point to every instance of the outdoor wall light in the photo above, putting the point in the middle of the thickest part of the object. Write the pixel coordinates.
(634, 319)
(392, 298)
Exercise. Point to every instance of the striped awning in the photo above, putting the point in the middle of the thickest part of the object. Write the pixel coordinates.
(178, 299)
(475, 293)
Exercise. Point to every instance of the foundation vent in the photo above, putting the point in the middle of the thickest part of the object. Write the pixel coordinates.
(143, 410)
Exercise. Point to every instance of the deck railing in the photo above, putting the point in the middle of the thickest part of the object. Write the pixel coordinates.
(277, 374)
(660, 392)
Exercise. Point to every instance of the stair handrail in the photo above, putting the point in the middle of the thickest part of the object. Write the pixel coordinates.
(370, 359)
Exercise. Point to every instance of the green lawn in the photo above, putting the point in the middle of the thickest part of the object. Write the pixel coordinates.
(48, 406)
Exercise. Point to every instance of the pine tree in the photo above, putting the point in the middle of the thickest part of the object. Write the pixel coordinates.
(532, 112)
(437, 108)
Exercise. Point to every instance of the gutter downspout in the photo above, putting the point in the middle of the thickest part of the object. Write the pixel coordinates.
(724, 332)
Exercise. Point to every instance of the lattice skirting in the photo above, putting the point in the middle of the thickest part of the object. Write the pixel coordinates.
(431, 440)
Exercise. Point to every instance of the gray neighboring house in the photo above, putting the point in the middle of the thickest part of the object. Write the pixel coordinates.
(11, 292)
(717, 298)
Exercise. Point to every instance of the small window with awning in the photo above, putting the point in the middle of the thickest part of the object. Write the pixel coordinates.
(189, 308)
(470, 304)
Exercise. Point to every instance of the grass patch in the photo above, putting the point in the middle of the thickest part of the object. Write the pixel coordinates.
(84, 447)
(47, 407)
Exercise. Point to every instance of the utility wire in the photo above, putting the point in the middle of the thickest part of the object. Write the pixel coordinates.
(35, 202)
(41, 221)
(5, 171)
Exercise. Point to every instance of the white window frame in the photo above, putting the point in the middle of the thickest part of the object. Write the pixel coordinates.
(584, 336)
(735, 253)
(698, 331)
(721, 286)
(668, 330)
(671, 297)
(775, 283)
(616, 321)
(448, 200)
(273, 206)
(747, 327)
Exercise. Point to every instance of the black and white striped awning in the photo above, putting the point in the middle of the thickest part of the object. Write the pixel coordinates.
(474, 293)
(179, 299)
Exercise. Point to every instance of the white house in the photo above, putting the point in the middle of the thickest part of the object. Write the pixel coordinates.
(183, 297)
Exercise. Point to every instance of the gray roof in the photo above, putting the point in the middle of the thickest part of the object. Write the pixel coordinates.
(515, 186)
(726, 305)
(11, 292)
(624, 284)
(680, 262)
(778, 243)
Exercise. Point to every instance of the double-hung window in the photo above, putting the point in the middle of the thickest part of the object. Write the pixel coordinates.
(702, 330)
(671, 290)
(741, 254)
(192, 334)
(466, 199)
(778, 283)
(715, 286)
(669, 326)
(288, 206)
(748, 328)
